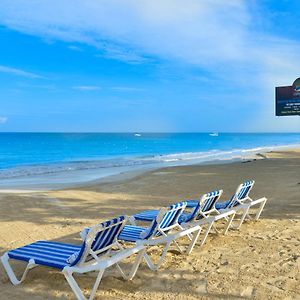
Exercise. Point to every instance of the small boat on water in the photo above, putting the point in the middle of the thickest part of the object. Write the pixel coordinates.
(214, 134)
(137, 134)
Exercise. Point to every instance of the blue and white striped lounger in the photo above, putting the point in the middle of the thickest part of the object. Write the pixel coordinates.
(202, 212)
(150, 215)
(207, 214)
(96, 253)
(158, 233)
(241, 201)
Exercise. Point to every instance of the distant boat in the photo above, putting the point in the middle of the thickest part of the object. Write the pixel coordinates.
(214, 134)
(137, 134)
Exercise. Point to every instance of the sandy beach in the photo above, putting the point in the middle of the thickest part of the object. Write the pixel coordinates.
(260, 261)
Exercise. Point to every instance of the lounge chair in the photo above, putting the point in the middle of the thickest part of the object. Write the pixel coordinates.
(99, 250)
(160, 232)
(202, 212)
(207, 214)
(241, 201)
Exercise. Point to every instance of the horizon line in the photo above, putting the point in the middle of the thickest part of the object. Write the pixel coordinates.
(146, 132)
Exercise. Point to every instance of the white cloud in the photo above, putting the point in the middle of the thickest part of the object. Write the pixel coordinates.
(75, 48)
(191, 31)
(87, 88)
(18, 72)
(3, 120)
(212, 34)
(121, 54)
(127, 89)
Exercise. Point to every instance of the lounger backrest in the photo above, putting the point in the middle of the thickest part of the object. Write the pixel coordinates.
(100, 238)
(171, 216)
(208, 201)
(187, 217)
(241, 193)
(166, 218)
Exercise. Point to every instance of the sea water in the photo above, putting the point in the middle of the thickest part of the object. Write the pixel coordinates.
(45, 159)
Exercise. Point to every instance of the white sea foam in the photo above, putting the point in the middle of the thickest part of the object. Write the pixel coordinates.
(82, 171)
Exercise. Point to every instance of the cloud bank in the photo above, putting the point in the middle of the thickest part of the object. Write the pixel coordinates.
(198, 32)
(226, 38)
(18, 72)
(87, 88)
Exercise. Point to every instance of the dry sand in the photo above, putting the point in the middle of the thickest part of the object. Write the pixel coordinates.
(260, 261)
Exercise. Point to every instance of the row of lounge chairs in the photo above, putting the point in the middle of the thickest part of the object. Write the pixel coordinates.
(110, 242)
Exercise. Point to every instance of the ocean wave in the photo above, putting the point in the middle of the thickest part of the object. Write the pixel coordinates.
(48, 169)
(172, 159)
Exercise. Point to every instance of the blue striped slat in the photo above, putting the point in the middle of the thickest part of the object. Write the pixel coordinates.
(147, 215)
(52, 254)
(228, 203)
(241, 194)
(107, 236)
(102, 239)
(171, 216)
(192, 203)
(131, 233)
(188, 216)
(150, 215)
(222, 205)
(210, 201)
(134, 233)
(232, 202)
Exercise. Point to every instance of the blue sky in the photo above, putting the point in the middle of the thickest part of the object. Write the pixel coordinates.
(141, 65)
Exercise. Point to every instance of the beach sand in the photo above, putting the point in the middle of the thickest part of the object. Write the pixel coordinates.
(260, 261)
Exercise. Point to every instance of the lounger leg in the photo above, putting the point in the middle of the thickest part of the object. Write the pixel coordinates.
(75, 287)
(14, 280)
(178, 247)
(260, 209)
(215, 228)
(96, 285)
(194, 241)
(73, 284)
(229, 223)
(210, 225)
(245, 213)
(135, 266)
(151, 264)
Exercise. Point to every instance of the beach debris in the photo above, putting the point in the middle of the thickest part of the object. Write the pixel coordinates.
(201, 287)
(248, 292)
(247, 161)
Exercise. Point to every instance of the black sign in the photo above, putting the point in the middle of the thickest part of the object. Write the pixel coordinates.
(288, 99)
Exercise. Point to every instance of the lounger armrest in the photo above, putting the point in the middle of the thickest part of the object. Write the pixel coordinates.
(260, 200)
(105, 263)
(224, 214)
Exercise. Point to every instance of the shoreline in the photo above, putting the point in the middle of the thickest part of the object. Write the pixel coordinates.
(88, 177)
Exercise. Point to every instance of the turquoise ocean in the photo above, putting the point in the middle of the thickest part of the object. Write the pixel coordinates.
(50, 159)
